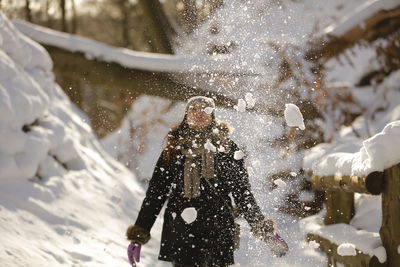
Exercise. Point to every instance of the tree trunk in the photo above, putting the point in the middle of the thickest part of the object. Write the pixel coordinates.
(63, 16)
(389, 231)
(74, 19)
(124, 8)
(46, 16)
(157, 26)
(28, 13)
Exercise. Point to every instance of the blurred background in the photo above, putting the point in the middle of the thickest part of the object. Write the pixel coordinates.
(327, 57)
(130, 65)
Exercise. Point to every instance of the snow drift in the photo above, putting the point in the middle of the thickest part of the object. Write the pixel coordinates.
(63, 200)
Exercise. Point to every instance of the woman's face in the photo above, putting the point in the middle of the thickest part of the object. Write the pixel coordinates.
(197, 118)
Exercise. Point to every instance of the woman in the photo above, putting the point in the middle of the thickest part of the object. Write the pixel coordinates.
(196, 172)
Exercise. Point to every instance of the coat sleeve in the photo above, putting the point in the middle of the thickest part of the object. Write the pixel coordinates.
(241, 189)
(156, 194)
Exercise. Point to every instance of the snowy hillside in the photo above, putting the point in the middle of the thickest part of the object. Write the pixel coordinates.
(63, 200)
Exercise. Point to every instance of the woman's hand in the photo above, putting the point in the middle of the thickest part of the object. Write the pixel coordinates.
(265, 230)
(277, 245)
(267, 226)
(137, 234)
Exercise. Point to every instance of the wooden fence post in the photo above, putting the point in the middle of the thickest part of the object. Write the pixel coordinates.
(390, 229)
(339, 207)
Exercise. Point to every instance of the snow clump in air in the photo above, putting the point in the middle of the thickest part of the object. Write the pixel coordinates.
(280, 183)
(250, 100)
(189, 215)
(347, 249)
(208, 110)
(209, 146)
(241, 106)
(293, 116)
(238, 155)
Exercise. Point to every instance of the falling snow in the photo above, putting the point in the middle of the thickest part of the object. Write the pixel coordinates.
(189, 215)
(238, 155)
(293, 116)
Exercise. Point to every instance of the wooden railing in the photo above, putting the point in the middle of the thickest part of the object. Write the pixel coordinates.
(339, 202)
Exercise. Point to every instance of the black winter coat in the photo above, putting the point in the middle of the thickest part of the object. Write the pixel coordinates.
(210, 238)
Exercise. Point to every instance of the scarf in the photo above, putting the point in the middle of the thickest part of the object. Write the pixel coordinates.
(199, 150)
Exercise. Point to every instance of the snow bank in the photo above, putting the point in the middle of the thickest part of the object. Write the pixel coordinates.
(63, 200)
(140, 139)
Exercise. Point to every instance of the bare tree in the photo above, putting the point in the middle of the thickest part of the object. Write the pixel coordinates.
(73, 19)
(28, 13)
(124, 7)
(63, 16)
(158, 29)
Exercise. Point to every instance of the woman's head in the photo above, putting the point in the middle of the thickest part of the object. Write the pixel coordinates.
(199, 113)
(199, 117)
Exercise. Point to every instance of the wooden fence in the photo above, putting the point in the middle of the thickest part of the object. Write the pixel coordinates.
(339, 201)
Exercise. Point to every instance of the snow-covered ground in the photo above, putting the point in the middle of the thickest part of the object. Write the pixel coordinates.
(63, 200)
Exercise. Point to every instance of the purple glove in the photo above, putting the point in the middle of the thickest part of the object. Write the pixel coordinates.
(134, 253)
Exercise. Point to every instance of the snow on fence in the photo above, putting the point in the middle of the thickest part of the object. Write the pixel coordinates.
(339, 201)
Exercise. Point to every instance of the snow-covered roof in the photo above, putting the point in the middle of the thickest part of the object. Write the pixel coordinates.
(129, 58)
